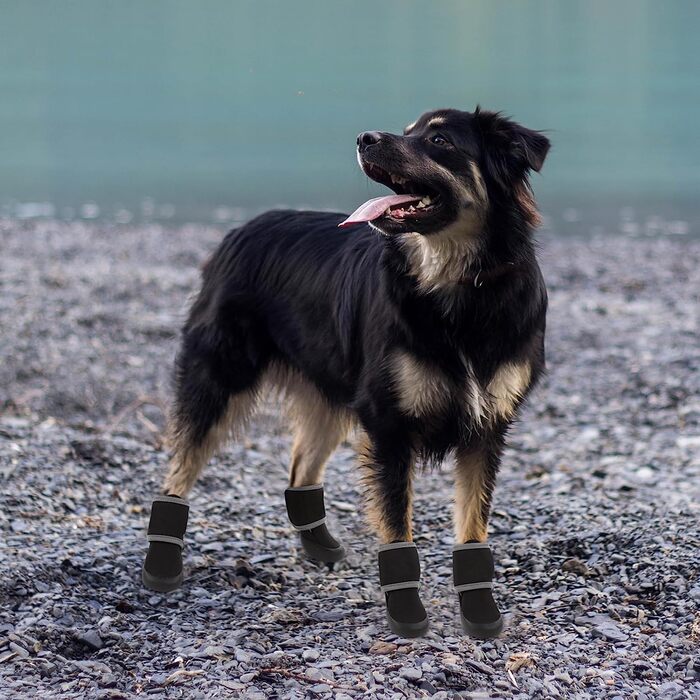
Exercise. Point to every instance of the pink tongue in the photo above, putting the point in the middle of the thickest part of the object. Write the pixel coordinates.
(374, 208)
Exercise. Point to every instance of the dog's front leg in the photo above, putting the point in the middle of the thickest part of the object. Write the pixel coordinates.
(388, 471)
(475, 474)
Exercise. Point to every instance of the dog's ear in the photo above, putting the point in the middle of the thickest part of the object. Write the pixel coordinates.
(510, 150)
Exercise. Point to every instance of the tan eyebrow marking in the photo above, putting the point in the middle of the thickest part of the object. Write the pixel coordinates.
(437, 121)
(410, 127)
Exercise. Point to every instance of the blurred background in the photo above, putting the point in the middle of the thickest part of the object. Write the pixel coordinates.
(213, 111)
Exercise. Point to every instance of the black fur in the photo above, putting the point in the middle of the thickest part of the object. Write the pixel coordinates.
(291, 287)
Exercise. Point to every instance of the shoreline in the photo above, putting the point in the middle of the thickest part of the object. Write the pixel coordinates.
(632, 215)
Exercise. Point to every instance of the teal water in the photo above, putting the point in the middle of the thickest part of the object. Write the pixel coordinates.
(213, 110)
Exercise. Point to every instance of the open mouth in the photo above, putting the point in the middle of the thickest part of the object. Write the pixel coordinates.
(413, 200)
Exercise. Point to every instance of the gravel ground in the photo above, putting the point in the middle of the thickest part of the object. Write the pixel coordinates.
(595, 529)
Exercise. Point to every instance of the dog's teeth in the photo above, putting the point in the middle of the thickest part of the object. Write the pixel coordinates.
(425, 201)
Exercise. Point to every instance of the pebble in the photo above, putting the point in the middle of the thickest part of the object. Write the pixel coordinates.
(91, 638)
(344, 506)
(19, 650)
(331, 615)
(243, 656)
(411, 674)
(383, 648)
(320, 688)
(317, 674)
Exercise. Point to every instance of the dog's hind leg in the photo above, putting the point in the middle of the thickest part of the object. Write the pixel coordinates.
(388, 469)
(319, 428)
(472, 562)
(216, 380)
(205, 413)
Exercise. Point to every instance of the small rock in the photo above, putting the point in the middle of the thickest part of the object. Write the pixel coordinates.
(320, 688)
(330, 615)
(575, 566)
(243, 656)
(284, 616)
(319, 674)
(644, 473)
(428, 687)
(383, 648)
(91, 639)
(610, 631)
(211, 651)
(17, 649)
(92, 666)
(309, 655)
(410, 673)
(344, 506)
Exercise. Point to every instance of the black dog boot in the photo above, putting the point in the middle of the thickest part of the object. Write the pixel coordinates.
(162, 570)
(307, 514)
(399, 575)
(472, 567)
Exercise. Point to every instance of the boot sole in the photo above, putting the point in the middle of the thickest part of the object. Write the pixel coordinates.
(408, 629)
(161, 585)
(323, 554)
(482, 630)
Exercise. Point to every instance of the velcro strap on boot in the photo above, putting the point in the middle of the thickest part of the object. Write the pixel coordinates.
(305, 506)
(399, 566)
(472, 566)
(168, 521)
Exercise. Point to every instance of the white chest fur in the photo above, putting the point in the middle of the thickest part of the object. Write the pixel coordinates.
(423, 390)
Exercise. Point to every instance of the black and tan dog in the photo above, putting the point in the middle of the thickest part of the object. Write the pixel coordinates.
(420, 321)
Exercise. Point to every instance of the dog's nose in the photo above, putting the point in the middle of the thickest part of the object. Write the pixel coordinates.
(367, 139)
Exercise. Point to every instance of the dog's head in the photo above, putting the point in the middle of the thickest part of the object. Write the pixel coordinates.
(447, 168)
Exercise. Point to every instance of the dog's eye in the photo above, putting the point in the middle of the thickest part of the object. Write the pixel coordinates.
(439, 140)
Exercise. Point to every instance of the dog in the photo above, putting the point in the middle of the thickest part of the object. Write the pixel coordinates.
(419, 320)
